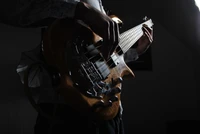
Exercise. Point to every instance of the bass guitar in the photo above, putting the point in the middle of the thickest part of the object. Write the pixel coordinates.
(86, 77)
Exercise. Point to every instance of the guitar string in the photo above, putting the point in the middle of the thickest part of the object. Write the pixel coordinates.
(149, 23)
(138, 33)
(124, 37)
(114, 60)
(123, 44)
(95, 78)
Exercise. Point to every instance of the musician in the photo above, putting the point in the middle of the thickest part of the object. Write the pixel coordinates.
(41, 14)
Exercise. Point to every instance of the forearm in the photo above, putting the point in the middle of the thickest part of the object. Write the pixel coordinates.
(30, 13)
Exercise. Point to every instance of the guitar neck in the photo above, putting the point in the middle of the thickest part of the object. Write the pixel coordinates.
(131, 36)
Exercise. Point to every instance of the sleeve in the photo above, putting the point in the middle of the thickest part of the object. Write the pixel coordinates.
(131, 55)
(27, 13)
(28, 58)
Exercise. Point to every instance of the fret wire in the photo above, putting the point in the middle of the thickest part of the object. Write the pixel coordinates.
(129, 43)
(133, 42)
(129, 34)
(132, 37)
(123, 36)
(127, 37)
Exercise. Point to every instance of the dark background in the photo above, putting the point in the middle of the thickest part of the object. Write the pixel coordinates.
(160, 100)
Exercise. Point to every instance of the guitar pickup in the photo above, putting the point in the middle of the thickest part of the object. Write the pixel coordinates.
(115, 60)
(102, 68)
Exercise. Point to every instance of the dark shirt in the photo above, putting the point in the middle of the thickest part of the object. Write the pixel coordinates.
(25, 13)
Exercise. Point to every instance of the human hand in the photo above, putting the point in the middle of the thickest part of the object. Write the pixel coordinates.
(101, 24)
(145, 41)
(110, 95)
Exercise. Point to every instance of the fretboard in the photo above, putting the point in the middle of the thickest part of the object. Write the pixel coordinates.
(130, 37)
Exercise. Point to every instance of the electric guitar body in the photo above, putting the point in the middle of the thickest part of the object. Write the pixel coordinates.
(85, 76)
